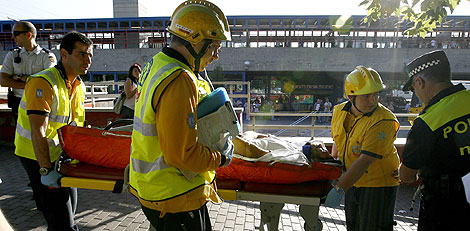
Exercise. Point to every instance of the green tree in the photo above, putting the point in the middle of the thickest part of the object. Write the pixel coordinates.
(217, 74)
(424, 14)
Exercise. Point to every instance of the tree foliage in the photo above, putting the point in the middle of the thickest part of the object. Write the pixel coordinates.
(217, 74)
(425, 15)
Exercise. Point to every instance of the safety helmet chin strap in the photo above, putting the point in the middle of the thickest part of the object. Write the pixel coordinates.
(197, 56)
(354, 104)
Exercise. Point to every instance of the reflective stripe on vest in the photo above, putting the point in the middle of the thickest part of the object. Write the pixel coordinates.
(58, 116)
(143, 128)
(144, 167)
(27, 134)
(148, 166)
(147, 129)
(52, 118)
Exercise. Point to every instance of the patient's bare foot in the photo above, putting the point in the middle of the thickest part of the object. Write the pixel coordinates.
(245, 148)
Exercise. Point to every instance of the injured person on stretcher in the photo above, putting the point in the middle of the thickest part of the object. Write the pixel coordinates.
(257, 157)
(265, 168)
(253, 146)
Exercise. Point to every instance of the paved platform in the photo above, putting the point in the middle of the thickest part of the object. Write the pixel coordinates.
(103, 210)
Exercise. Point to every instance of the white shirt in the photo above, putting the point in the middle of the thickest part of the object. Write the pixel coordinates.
(327, 106)
(130, 103)
(31, 63)
(317, 106)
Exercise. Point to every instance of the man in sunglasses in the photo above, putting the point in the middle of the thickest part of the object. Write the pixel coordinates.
(438, 145)
(27, 59)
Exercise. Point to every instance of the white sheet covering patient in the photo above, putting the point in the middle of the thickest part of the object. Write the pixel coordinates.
(252, 146)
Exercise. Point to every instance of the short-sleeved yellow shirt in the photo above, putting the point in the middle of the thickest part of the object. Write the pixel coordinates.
(373, 135)
(40, 95)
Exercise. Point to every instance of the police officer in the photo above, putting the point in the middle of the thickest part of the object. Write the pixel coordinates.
(164, 139)
(53, 98)
(438, 145)
(27, 59)
(364, 131)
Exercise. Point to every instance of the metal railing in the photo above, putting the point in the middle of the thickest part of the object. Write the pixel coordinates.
(93, 95)
(312, 126)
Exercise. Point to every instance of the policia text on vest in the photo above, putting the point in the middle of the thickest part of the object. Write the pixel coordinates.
(460, 127)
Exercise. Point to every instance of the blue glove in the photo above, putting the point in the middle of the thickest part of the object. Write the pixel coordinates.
(51, 179)
(334, 197)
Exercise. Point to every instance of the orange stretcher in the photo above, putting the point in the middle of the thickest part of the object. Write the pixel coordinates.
(77, 143)
(272, 197)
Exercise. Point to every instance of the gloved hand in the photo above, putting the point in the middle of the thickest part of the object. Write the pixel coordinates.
(51, 179)
(334, 197)
(228, 153)
(225, 147)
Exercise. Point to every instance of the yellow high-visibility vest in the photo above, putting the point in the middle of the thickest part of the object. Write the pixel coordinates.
(60, 115)
(149, 177)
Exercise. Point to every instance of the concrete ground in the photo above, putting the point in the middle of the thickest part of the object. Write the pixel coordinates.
(103, 210)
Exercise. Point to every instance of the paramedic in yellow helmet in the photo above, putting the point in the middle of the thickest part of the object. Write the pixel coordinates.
(171, 173)
(364, 131)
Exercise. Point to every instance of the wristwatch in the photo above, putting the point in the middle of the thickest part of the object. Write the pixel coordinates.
(44, 171)
(337, 188)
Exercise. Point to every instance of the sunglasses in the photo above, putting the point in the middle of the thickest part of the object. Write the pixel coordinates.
(18, 33)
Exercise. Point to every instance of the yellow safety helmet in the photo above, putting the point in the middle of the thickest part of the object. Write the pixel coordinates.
(194, 21)
(363, 81)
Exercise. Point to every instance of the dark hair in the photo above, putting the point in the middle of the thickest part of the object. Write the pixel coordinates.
(129, 75)
(27, 26)
(68, 41)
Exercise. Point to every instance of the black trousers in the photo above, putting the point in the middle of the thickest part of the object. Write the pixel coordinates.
(57, 205)
(14, 103)
(370, 209)
(196, 220)
(449, 212)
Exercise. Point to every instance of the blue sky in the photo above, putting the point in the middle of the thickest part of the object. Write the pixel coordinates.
(72, 9)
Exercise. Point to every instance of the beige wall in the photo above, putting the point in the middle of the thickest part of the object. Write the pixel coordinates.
(288, 59)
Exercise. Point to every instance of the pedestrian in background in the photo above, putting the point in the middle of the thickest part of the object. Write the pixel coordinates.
(27, 59)
(438, 145)
(364, 132)
(130, 88)
(327, 109)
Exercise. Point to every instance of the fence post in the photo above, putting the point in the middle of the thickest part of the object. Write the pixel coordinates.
(92, 95)
(312, 130)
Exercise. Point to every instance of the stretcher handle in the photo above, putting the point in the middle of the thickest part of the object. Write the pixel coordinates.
(119, 122)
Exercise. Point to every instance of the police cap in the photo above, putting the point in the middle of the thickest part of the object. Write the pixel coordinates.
(429, 61)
